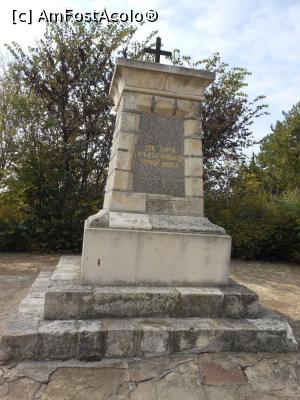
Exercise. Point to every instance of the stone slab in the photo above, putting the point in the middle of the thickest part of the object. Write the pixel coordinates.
(158, 79)
(158, 165)
(65, 301)
(116, 257)
(149, 337)
(126, 220)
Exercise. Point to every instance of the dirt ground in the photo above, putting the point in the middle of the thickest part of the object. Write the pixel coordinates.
(226, 376)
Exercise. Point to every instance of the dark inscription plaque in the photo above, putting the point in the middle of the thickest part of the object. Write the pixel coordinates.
(159, 158)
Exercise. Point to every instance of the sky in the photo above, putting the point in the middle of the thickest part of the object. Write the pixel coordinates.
(261, 35)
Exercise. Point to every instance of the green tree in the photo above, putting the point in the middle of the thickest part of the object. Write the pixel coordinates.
(65, 126)
(279, 155)
(227, 116)
(262, 209)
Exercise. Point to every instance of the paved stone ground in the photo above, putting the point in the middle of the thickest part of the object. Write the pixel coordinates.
(225, 376)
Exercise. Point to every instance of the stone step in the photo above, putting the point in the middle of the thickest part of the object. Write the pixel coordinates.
(30, 337)
(81, 302)
(34, 339)
(66, 298)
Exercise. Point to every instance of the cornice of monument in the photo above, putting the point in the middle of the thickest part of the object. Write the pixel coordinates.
(158, 80)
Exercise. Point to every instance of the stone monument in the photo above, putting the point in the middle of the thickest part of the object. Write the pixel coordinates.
(152, 230)
(153, 278)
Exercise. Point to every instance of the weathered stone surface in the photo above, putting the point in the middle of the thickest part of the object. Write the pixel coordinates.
(134, 301)
(271, 333)
(154, 258)
(99, 220)
(122, 338)
(91, 340)
(177, 82)
(222, 373)
(57, 340)
(19, 341)
(159, 159)
(77, 301)
(279, 376)
(200, 302)
(39, 371)
(31, 337)
(154, 339)
(129, 220)
(23, 389)
(239, 301)
(146, 369)
(83, 383)
(184, 223)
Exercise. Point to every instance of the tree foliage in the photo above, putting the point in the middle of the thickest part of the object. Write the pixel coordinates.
(262, 210)
(227, 115)
(64, 123)
(280, 154)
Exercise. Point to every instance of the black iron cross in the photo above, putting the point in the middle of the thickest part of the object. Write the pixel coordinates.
(157, 51)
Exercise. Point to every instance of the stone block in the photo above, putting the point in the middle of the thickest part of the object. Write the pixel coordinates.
(91, 340)
(122, 339)
(188, 206)
(239, 302)
(116, 257)
(123, 201)
(155, 339)
(193, 186)
(77, 302)
(129, 122)
(57, 340)
(273, 334)
(233, 335)
(126, 140)
(123, 160)
(201, 302)
(129, 221)
(193, 127)
(191, 335)
(134, 101)
(189, 108)
(143, 101)
(193, 166)
(159, 206)
(121, 180)
(19, 340)
(192, 147)
(134, 302)
(164, 105)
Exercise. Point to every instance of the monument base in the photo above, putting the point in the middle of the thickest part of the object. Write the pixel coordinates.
(154, 250)
(220, 319)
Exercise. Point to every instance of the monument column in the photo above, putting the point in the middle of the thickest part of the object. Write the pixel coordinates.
(156, 159)
(154, 190)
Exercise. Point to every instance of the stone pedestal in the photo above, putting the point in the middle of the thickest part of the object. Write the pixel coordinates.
(154, 186)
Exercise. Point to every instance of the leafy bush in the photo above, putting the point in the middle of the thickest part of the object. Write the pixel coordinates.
(261, 228)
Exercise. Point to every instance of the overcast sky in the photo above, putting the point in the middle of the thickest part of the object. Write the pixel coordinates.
(261, 35)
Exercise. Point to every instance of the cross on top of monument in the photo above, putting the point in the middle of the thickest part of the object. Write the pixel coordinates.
(157, 51)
